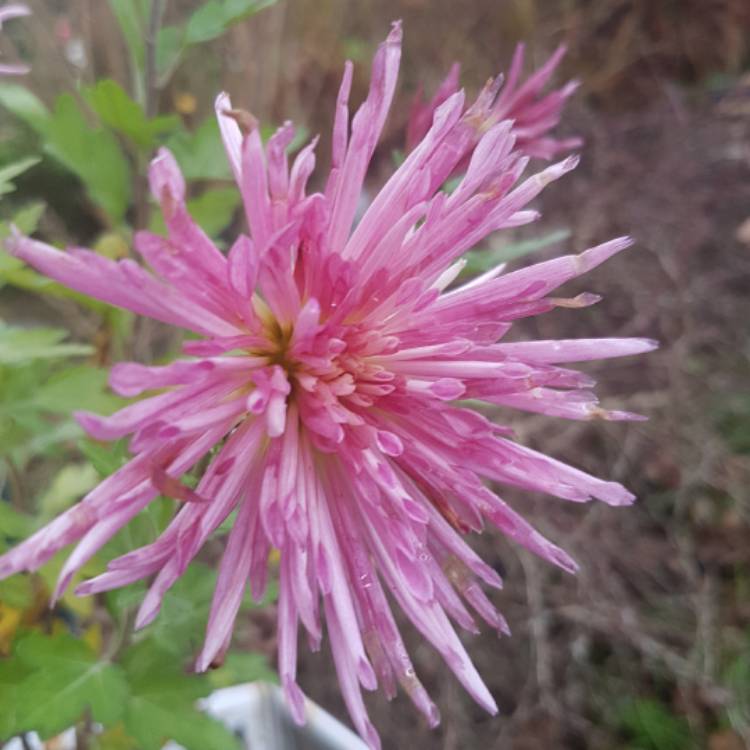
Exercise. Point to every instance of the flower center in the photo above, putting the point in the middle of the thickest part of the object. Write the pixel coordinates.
(279, 338)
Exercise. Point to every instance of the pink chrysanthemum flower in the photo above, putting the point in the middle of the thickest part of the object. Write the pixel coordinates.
(7, 12)
(331, 361)
(533, 113)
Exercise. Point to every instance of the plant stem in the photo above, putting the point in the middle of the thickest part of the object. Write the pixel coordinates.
(149, 73)
(150, 106)
(16, 484)
(84, 730)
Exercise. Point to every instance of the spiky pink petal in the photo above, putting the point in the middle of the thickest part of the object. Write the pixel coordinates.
(532, 114)
(331, 361)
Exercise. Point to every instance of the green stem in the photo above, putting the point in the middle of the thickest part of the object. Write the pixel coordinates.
(149, 74)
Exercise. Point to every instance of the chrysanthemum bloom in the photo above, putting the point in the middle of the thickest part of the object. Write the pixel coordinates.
(13, 10)
(331, 362)
(533, 113)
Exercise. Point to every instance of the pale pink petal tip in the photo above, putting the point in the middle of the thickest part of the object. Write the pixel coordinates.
(7, 12)
(562, 559)
(13, 10)
(165, 178)
(396, 33)
(595, 256)
(371, 737)
(93, 424)
(433, 716)
(17, 69)
(613, 493)
(146, 615)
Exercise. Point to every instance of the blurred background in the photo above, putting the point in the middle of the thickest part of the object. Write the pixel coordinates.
(649, 646)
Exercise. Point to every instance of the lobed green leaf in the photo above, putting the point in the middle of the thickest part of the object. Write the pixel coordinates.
(65, 679)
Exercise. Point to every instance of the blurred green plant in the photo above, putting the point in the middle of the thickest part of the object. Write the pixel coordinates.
(733, 421)
(79, 665)
(652, 726)
(206, 23)
(738, 679)
(63, 670)
(8, 172)
(54, 680)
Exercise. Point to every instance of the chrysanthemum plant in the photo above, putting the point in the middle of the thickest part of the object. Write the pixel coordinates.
(326, 395)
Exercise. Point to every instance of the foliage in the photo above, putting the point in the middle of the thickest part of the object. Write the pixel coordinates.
(209, 21)
(738, 678)
(51, 681)
(80, 664)
(733, 421)
(653, 727)
(10, 171)
(57, 678)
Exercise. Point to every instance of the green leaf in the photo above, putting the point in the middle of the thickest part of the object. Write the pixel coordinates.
(31, 393)
(114, 738)
(201, 154)
(117, 110)
(91, 153)
(213, 210)
(216, 16)
(24, 344)
(18, 420)
(654, 727)
(733, 421)
(48, 439)
(12, 671)
(65, 679)
(26, 220)
(16, 592)
(49, 573)
(248, 666)
(206, 23)
(131, 16)
(165, 124)
(25, 106)
(10, 171)
(169, 47)
(180, 625)
(151, 723)
(237, 10)
(69, 484)
(123, 602)
(14, 524)
(106, 458)
(271, 595)
(162, 703)
(76, 388)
